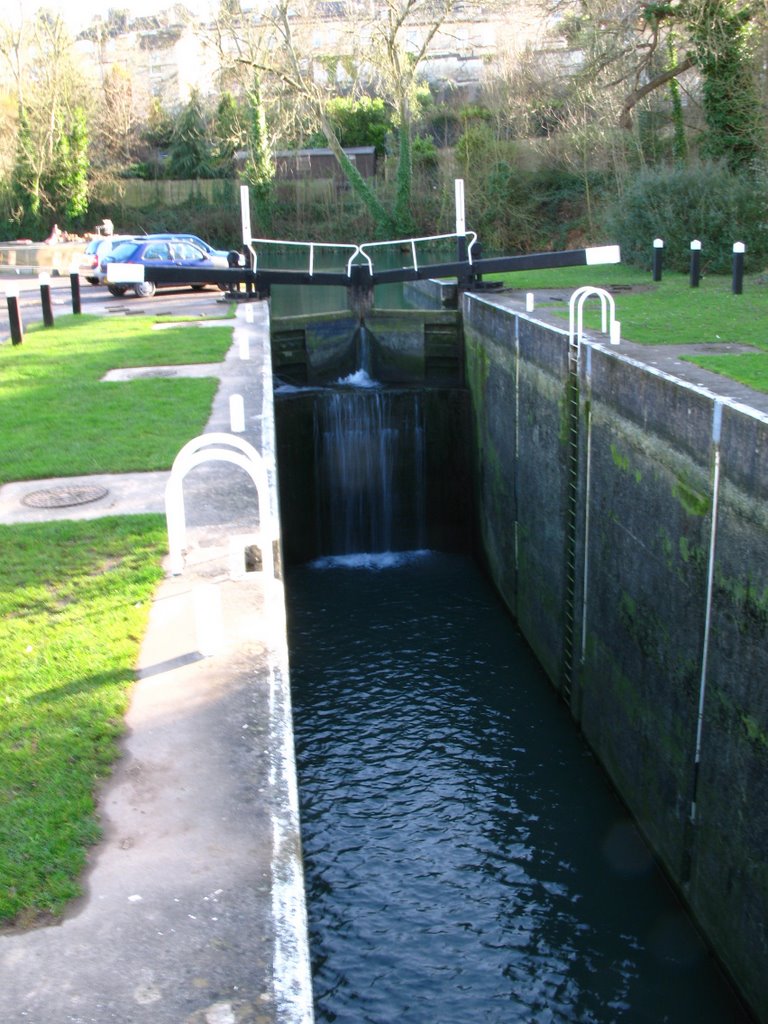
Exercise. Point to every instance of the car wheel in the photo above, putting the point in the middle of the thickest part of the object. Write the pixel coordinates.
(197, 287)
(145, 290)
(116, 289)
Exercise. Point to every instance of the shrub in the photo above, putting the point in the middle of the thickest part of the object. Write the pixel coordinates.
(678, 204)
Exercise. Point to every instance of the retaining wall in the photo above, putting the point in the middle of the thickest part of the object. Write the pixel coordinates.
(624, 519)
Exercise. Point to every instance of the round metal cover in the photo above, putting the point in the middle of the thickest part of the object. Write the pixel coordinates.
(64, 497)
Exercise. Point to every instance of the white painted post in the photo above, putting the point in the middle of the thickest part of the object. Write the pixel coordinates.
(236, 414)
(529, 302)
(209, 620)
(461, 231)
(461, 224)
(245, 214)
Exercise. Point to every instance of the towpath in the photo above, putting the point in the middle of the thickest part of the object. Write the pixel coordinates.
(193, 910)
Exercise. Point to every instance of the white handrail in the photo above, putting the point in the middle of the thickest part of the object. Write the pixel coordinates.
(412, 243)
(576, 314)
(360, 250)
(311, 246)
(217, 447)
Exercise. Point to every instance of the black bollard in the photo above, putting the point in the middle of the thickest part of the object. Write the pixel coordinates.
(14, 315)
(695, 263)
(74, 287)
(658, 258)
(45, 299)
(737, 283)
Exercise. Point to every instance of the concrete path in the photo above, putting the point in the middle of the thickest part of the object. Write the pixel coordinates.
(193, 910)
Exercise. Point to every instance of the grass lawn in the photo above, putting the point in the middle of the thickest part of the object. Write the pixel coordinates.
(669, 312)
(64, 589)
(74, 596)
(59, 419)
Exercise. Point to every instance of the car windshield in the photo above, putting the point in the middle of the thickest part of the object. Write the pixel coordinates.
(123, 251)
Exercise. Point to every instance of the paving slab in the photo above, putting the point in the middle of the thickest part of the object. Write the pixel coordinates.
(124, 494)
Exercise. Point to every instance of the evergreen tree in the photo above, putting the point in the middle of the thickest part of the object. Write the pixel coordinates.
(722, 33)
(190, 154)
(259, 169)
(228, 135)
(70, 185)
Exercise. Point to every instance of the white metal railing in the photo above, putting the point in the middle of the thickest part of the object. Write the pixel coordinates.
(313, 247)
(358, 250)
(218, 447)
(576, 315)
(412, 242)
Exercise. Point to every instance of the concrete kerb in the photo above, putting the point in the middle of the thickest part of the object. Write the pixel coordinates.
(194, 907)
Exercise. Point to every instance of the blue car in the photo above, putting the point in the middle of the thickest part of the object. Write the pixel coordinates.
(219, 256)
(171, 251)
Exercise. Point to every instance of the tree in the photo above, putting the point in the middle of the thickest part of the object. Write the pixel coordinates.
(384, 53)
(240, 42)
(190, 153)
(401, 33)
(721, 34)
(626, 47)
(228, 134)
(69, 174)
(117, 123)
(274, 53)
(359, 122)
(49, 178)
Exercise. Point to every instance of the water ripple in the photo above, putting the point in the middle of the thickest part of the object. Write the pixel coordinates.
(466, 861)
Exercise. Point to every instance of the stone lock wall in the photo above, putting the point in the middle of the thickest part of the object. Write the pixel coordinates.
(623, 516)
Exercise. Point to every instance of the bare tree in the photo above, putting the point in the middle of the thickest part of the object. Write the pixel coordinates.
(51, 97)
(379, 48)
(634, 49)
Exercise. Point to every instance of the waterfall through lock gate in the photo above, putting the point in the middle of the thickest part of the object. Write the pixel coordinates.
(369, 459)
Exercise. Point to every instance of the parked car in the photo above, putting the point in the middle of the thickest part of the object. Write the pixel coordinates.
(219, 256)
(158, 252)
(97, 250)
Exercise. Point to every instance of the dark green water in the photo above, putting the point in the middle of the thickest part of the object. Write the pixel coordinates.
(466, 860)
(294, 301)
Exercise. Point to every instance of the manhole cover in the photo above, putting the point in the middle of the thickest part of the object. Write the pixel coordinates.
(63, 497)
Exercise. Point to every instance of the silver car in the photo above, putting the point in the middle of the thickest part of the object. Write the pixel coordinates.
(96, 250)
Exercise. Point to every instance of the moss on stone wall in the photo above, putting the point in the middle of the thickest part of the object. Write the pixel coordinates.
(694, 501)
